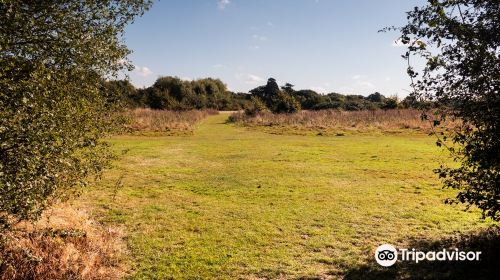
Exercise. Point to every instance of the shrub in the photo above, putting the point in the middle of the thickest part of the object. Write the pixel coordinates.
(255, 106)
(53, 57)
(459, 43)
(285, 103)
(390, 103)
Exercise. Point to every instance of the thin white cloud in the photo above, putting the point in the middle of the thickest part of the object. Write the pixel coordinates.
(249, 78)
(268, 25)
(223, 3)
(219, 66)
(142, 71)
(259, 37)
(254, 47)
(366, 85)
(361, 84)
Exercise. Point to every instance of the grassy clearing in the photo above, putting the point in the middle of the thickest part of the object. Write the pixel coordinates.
(228, 202)
(332, 122)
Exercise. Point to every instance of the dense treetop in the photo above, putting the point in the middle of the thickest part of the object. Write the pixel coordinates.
(177, 94)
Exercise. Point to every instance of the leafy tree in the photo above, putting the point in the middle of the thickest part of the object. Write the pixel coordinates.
(375, 97)
(410, 101)
(459, 40)
(214, 91)
(174, 93)
(161, 99)
(53, 58)
(329, 104)
(285, 103)
(390, 103)
(354, 103)
(288, 88)
(121, 92)
(267, 93)
(308, 98)
(174, 87)
(276, 100)
(255, 106)
(239, 100)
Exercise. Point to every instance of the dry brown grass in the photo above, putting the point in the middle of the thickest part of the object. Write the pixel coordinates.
(340, 121)
(147, 120)
(65, 244)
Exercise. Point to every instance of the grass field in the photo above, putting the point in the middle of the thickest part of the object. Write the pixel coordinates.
(231, 202)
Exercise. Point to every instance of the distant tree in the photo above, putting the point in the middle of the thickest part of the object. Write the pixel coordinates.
(161, 99)
(329, 104)
(336, 100)
(354, 103)
(375, 97)
(410, 102)
(285, 103)
(239, 100)
(271, 89)
(176, 94)
(288, 88)
(255, 106)
(308, 98)
(174, 87)
(460, 42)
(213, 92)
(276, 100)
(267, 93)
(54, 56)
(390, 103)
(121, 92)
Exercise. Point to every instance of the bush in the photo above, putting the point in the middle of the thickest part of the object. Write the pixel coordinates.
(255, 106)
(285, 103)
(53, 57)
(459, 41)
(390, 103)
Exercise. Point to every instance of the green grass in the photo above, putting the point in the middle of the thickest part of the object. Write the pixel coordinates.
(230, 202)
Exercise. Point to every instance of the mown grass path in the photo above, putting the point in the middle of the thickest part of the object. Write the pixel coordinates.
(230, 202)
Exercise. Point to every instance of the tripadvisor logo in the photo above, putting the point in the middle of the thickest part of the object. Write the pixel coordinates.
(387, 255)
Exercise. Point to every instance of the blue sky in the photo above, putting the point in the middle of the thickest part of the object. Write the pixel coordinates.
(325, 45)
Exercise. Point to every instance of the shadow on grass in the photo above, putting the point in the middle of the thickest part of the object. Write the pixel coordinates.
(488, 267)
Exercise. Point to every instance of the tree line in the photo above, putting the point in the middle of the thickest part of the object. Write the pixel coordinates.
(173, 93)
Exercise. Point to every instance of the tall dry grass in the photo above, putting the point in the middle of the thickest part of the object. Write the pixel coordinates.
(148, 120)
(335, 120)
(65, 244)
